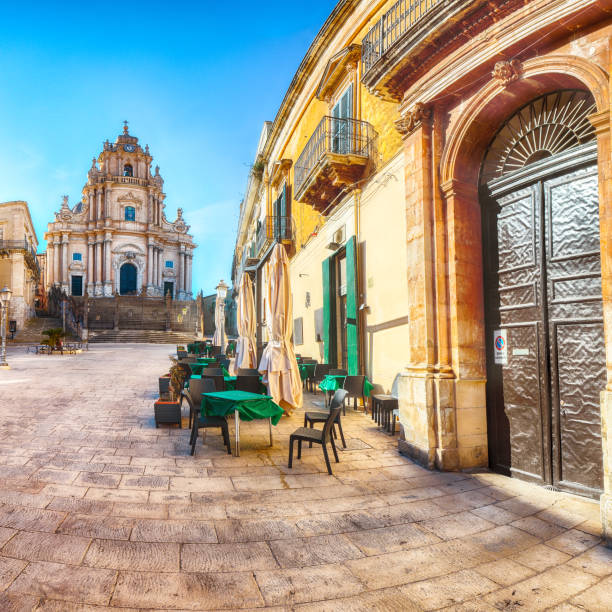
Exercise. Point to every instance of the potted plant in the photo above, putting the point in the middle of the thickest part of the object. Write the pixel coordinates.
(54, 338)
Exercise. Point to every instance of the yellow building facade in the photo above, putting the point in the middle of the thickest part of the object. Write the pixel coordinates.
(439, 172)
(19, 270)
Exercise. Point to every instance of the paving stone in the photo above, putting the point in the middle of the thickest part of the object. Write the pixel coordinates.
(456, 525)
(35, 546)
(108, 527)
(65, 582)
(597, 561)
(391, 539)
(505, 571)
(537, 527)
(18, 603)
(32, 519)
(200, 484)
(9, 570)
(451, 589)
(235, 557)
(597, 598)
(543, 590)
(137, 556)
(98, 479)
(187, 591)
(573, 542)
(307, 584)
(337, 522)
(541, 557)
(387, 600)
(316, 550)
(255, 530)
(173, 531)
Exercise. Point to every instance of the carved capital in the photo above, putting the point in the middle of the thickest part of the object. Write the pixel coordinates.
(412, 119)
(507, 72)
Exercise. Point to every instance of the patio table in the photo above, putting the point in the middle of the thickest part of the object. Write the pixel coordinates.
(244, 405)
(306, 370)
(207, 360)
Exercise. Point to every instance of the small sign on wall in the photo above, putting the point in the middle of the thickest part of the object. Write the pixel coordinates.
(500, 346)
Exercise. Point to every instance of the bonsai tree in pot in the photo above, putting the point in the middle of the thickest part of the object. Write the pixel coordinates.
(54, 337)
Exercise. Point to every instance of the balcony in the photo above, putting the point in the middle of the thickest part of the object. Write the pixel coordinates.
(396, 47)
(338, 154)
(273, 229)
(28, 250)
(129, 180)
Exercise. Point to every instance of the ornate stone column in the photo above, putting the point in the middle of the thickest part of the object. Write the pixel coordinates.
(160, 255)
(108, 284)
(150, 267)
(98, 204)
(65, 278)
(188, 283)
(49, 264)
(181, 273)
(90, 265)
(99, 287)
(56, 260)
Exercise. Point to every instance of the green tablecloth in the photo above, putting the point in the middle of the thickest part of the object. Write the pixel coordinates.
(306, 370)
(249, 405)
(207, 360)
(333, 383)
(230, 382)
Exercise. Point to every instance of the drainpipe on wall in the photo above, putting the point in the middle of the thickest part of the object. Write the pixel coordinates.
(360, 300)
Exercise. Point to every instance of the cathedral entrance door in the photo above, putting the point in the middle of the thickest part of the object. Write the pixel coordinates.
(127, 279)
(168, 289)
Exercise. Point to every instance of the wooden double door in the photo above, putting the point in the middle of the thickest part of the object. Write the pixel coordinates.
(544, 322)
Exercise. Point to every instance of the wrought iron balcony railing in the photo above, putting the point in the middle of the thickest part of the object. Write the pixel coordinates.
(273, 229)
(27, 248)
(391, 27)
(344, 137)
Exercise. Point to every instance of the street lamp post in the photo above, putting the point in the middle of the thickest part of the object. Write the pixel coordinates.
(5, 298)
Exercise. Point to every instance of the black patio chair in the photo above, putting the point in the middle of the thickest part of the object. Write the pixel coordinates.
(252, 384)
(180, 354)
(218, 380)
(164, 387)
(338, 372)
(310, 418)
(212, 371)
(248, 372)
(193, 395)
(223, 363)
(321, 371)
(214, 350)
(319, 436)
(200, 422)
(354, 385)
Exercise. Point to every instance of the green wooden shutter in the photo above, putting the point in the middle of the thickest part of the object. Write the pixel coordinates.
(329, 312)
(352, 312)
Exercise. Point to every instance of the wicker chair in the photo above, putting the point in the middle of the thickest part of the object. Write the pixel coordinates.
(355, 385)
(251, 384)
(248, 372)
(219, 381)
(200, 422)
(319, 436)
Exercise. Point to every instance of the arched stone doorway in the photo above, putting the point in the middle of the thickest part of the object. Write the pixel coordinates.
(128, 276)
(466, 143)
(544, 335)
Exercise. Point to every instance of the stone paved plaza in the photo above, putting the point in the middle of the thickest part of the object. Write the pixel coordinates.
(100, 510)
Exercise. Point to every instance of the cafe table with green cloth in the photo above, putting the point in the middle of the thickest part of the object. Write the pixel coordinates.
(197, 372)
(192, 348)
(207, 360)
(306, 370)
(332, 382)
(245, 406)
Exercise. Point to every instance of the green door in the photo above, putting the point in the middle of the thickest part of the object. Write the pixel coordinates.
(352, 308)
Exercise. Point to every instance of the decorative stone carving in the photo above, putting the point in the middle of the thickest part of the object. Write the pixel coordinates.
(413, 119)
(129, 197)
(179, 225)
(507, 72)
(65, 214)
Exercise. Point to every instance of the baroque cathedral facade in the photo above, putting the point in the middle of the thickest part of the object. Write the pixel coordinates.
(117, 239)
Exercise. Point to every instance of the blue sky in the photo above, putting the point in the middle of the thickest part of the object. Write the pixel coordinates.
(195, 80)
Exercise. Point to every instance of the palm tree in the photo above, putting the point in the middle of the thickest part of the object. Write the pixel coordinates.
(55, 336)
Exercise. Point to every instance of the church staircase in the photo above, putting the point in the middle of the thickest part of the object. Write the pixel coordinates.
(149, 336)
(32, 332)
